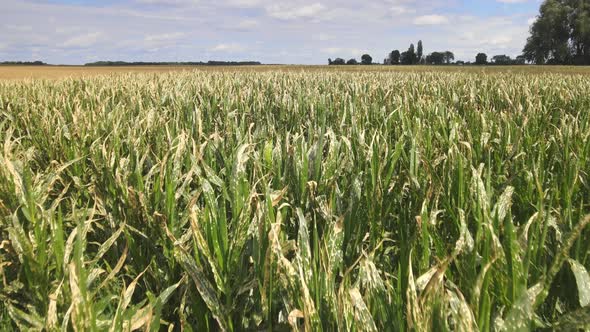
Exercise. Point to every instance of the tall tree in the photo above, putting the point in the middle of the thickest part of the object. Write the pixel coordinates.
(435, 58)
(409, 57)
(580, 33)
(481, 59)
(394, 57)
(560, 34)
(412, 54)
(419, 51)
(366, 59)
(449, 57)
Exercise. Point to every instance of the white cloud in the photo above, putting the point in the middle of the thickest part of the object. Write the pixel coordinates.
(248, 24)
(287, 12)
(16, 27)
(67, 29)
(228, 48)
(164, 37)
(500, 40)
(400, 10)
(245, 3)
(168, 2)
(155, 42)
(431, 20)
(82, 41)
(495, 35)
(332, 50)
(344, 52)
(322, 37)
(531, 20)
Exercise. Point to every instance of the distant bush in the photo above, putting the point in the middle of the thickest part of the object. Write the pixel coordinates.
(338, 61)
(200, 63)
(24, 63)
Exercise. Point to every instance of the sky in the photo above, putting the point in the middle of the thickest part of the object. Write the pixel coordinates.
(270, 31)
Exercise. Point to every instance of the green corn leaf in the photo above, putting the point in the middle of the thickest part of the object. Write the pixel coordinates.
(582, 281)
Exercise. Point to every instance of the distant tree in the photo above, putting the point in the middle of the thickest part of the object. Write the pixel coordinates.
(329, 61)
(394, 57)
(338, 61)
(449, 57)
(352, 62)
(366, 59)
(505, 60)
(409, 57)
(412, 55)
(502, 60)
(435, 58)
(419, 51)
(481, 59)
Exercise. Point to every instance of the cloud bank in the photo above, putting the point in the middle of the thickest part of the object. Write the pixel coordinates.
(271, 31)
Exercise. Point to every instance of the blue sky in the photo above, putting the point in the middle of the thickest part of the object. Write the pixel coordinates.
(271, 31)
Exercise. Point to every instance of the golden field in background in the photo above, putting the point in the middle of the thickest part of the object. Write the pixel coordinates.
(58, 72)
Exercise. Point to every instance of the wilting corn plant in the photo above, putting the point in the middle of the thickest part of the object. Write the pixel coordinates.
(296, 200)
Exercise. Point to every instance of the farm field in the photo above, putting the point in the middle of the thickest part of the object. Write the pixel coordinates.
(295, 198)
(58, 72)
(8, 72)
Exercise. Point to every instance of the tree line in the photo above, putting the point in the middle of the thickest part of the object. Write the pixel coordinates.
(124, 63)
(414, 55)
(23, 63)
(199, 63)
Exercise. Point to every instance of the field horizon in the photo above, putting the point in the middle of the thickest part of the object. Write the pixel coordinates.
(15, 72)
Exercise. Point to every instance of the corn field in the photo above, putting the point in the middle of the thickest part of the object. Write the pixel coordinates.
(296, 200)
